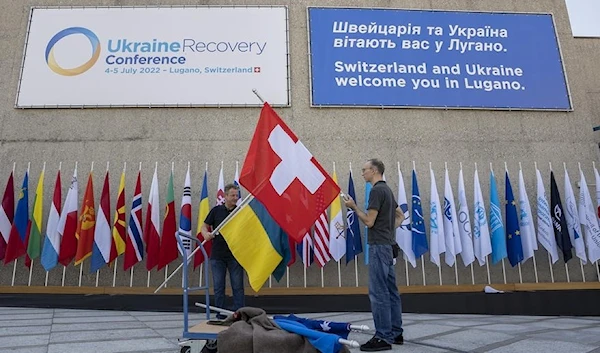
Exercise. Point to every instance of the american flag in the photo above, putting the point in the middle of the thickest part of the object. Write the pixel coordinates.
(322, 239)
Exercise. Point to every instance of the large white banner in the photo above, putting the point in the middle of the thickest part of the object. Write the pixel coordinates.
(155, 56)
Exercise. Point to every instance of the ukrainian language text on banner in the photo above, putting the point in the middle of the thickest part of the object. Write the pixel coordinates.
(444, 59)
(155, 56)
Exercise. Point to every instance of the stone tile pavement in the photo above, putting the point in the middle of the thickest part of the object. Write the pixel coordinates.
(31, 330)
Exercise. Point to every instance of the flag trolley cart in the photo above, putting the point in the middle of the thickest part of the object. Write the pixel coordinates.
(202, 331)
(194, 336)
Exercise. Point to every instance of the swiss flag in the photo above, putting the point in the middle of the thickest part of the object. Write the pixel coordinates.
(284, 176)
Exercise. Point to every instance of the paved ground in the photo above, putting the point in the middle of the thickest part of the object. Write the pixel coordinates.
(75, 331)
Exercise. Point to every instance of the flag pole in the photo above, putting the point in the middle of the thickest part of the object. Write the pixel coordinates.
(503, 266)
(534, 240)
(81, 264)
(472, 271)
(487, 264)
(131, 272)
(422, 256)
(439, 265)
(404, 255)
(455, 255)
(566, 266)
(98, 270)
(549, 260)
(117, 258)
(258, 95)
(355, 256)
(46, 281)
(519, 264)
(202, 264)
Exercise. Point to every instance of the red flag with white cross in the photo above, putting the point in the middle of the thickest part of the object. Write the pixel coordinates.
(284, 176)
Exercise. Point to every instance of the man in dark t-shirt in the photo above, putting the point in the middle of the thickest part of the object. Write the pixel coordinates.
(382, 219)
(221, 258)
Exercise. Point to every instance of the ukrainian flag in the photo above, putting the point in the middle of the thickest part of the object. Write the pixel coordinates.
(258, 243)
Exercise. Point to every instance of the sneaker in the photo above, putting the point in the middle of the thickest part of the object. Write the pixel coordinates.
(399, 339)
(375, 344)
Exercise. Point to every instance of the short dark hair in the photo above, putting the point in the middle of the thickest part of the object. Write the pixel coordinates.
(378, 165)
(231, 186)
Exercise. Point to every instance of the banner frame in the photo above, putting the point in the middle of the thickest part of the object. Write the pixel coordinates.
(556, 36)
(190, 105)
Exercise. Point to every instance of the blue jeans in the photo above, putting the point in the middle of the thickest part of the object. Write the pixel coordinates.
(383, 293)
(236, 275)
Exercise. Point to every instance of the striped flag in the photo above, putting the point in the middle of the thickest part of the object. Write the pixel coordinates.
(134, 247)
(203, 210)
(152, 228)
(87, 223)
(16, 246)
(67, 224)
(52, 241)
(221, 189)
(7, 213)
(306, 250)
(185, 217)
(102, 235)
(168, 242)
(321, 239)
(118, 231)
(34, 242)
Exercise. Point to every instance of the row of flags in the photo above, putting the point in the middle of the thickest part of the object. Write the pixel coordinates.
(286, 211)
(565, 222)
(90, 234)
(75, 234)
(78, 233)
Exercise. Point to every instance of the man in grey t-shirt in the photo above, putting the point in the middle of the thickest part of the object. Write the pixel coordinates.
(383, 217)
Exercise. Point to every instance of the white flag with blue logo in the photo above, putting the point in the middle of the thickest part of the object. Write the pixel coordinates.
(589, 220)
(528, 241)
(545, 231)
(436, 223)
(481, 232)
(451, 232)
(403, 233)
(466, 236)
(572, 216)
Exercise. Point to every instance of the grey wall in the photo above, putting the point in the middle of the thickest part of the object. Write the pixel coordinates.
(333, 135)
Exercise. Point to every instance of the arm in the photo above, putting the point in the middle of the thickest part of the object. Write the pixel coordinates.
(399, 217)
(205, 233)
(367, 218)
(208, 222)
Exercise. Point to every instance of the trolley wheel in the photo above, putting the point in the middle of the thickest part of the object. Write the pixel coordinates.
(210, 347)
(185, 349)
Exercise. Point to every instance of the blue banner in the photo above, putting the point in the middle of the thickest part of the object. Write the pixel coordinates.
(443, 59)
